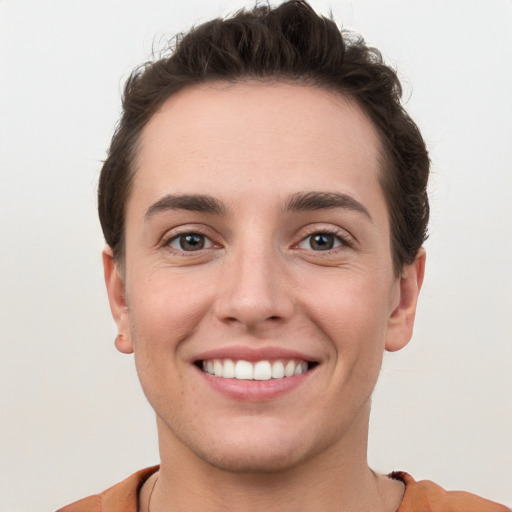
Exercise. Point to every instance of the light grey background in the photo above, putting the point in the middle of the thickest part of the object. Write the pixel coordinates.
(73, 418)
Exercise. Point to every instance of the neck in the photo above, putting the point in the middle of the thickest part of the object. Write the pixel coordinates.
(336, 479)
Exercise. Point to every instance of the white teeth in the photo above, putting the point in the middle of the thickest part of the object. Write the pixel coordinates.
(243, 370)
(228, 371)
(300, 368)
(277, 370)
(260, 370)
(218, 367)
(289, 369)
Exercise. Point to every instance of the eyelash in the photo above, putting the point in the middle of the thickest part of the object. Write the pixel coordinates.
(344, 239)
(175, 237)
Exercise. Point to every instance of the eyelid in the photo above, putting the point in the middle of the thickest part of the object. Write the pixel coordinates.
(188, 229)
(208, 242)
(337, 242)
(346, 239)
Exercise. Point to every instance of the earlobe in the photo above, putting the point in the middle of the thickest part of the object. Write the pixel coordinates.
(401, 321)
(117, 298)
(123, 344)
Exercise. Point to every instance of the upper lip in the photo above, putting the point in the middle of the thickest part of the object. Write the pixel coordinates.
(252, 354)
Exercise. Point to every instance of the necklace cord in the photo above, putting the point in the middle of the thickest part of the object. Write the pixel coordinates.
(151, 493)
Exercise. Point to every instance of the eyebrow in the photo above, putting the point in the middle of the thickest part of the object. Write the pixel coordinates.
(301, 201)
(309, 201)
(191, 202)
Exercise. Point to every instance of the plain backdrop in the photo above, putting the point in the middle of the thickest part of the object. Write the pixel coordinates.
(73, 419)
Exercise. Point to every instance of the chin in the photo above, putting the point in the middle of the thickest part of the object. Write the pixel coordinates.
(250, 443)
(253, 460)
(262, 449)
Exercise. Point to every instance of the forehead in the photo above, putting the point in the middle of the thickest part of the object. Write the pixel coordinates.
(267, 135)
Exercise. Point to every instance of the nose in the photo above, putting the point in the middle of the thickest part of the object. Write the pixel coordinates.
(255, 291)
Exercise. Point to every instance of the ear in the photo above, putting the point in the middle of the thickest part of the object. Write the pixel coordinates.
(117, 298)
(401, 321)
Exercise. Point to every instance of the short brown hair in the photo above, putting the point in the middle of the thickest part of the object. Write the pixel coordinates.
(292, 43)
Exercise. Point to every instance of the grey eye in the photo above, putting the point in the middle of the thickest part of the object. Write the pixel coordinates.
(191, 242)
(320, 242)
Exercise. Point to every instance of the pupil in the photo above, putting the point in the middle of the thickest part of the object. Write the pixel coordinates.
(192, 242)
(322, 242)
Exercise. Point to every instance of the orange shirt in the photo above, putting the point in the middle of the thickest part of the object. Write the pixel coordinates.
(426, 496)
(423, 496)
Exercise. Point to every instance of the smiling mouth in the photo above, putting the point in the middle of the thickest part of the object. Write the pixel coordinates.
(257, 370)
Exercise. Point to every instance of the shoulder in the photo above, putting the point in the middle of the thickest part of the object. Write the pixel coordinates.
(122, 496)
(430, 497)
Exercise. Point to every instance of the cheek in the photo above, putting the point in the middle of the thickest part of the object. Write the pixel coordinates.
(353, 317)
(164, 310)
(161, 318)
(350, 302)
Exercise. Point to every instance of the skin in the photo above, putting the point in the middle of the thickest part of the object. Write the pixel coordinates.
(260, 283)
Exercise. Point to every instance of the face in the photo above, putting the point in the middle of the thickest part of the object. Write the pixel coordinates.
(258, 291)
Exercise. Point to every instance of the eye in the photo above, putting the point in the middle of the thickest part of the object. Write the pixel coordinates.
(190, 242)
(320, 242)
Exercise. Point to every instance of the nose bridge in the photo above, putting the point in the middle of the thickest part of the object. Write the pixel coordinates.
(253, 290)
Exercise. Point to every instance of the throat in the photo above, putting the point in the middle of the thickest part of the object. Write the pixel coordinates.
(289, 491)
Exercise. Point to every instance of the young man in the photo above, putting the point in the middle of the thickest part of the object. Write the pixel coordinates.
(264, 205)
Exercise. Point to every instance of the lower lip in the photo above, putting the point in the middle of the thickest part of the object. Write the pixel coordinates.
(254, 390)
